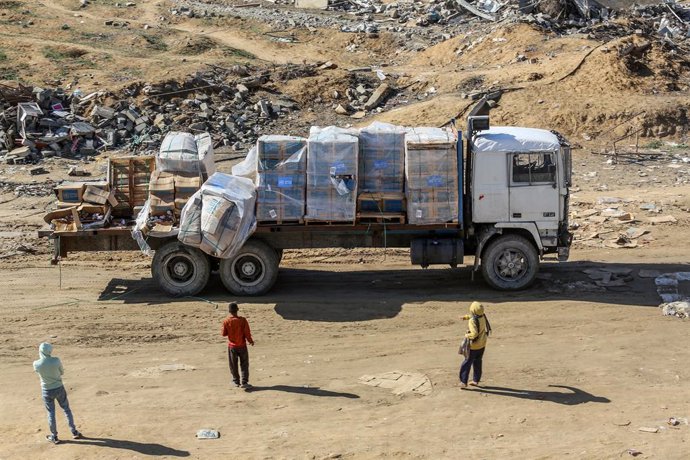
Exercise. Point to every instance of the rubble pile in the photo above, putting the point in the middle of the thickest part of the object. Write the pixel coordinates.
(421, 24)
(37, 123)
(36, 189)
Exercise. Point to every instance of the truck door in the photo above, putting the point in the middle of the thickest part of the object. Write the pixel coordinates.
(533, 194)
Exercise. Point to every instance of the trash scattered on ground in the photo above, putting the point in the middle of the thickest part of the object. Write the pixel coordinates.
(400, 382)
(678, 309)
(609, 223)
(676, 300)
(207, 434)
(633, 452)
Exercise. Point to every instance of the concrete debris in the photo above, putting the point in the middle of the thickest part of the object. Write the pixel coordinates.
(613, 277)
(648, 273)
(646, 429)
(400, 382)
(662, 220)
(669, 288)
(36, 123)
(421, 24)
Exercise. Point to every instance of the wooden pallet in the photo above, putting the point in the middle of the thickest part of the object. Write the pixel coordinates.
(380, 217)
(129, 179)
(381, 202)
(313, 222)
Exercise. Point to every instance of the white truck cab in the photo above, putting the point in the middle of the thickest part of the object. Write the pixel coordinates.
(517, 194)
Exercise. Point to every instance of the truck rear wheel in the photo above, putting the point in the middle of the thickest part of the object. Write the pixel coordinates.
(253, 271)
(180, 270)
(510, 262)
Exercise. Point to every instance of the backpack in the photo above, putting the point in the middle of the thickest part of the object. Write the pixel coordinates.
(476, 324)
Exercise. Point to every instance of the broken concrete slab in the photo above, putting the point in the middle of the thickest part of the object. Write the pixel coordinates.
(378, 96)
(400, 382)
(312, 4)
(634, 232)
(648, 273)
(662, 220)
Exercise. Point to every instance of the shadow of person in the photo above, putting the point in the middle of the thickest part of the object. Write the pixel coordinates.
(311, 391)
(574, 397)
(139, 447)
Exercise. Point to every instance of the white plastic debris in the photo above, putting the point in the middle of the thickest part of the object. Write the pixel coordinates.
(207, 434)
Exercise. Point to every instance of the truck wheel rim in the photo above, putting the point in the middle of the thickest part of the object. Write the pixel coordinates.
(511, 265)
(248, 270)
(179, 269)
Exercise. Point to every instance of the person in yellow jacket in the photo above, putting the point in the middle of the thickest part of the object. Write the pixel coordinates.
(478, 331)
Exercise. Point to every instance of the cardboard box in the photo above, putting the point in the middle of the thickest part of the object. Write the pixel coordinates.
(97, 194)
(70, 193)
(160, 206)
(185, 187)
(64, 220)
(162, 183)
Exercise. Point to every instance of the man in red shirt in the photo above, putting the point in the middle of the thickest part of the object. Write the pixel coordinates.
(236, 329)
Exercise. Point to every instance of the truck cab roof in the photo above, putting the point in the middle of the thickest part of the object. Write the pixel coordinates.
(514, 139)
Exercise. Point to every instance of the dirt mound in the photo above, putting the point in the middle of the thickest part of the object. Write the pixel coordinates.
(194, 44)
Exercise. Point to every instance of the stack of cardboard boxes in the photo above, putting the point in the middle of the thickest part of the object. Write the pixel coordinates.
(81, 205)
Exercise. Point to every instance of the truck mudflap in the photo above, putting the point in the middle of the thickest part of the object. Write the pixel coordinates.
(565, 239)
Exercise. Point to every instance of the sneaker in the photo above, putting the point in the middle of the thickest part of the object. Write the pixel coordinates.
(76, 435)
(235, 384)
(246, 386)
(463, 386)
(53, 438)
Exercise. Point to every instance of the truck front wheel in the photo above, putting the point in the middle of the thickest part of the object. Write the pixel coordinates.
(510, 263)
(252, 271)
(180, 270)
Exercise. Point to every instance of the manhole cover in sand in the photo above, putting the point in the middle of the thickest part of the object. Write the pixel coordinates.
(399, 382)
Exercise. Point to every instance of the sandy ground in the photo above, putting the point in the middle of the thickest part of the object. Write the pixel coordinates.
(568, 373)
(584, 371)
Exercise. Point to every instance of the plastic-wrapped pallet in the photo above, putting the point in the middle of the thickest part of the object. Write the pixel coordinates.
(431, 174)
(381, 158)
(186, 153)
(332, 175)
(219, 218)
(281, 178)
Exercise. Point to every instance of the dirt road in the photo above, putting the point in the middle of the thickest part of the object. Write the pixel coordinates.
(581, 371)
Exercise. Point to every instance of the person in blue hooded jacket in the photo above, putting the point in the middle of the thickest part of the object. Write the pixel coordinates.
(49, 368)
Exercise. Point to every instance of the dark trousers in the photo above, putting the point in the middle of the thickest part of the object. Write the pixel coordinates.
(474, 360)
(239, 356)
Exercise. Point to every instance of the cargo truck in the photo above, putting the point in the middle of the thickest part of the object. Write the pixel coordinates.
(512, 212)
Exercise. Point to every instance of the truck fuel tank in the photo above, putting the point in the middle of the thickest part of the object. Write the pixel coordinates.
(437, 251)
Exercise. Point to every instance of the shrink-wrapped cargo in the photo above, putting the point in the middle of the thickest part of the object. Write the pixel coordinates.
(219, 218)
(431, 175)
(281, 178)
(332, 159)
(381, 158)
(186, 153)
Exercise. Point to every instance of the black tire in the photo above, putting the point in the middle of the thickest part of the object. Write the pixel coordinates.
(280, 255)
(252, 272)
(510, 263)
(180, 270)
